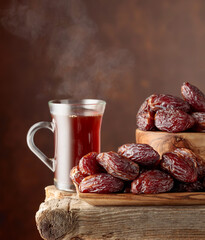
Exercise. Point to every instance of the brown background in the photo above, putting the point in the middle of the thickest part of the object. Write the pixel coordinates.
(118, 50)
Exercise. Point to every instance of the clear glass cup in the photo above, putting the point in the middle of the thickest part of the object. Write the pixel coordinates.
(77, 131)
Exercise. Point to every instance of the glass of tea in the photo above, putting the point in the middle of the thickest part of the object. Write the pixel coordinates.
(76, 125)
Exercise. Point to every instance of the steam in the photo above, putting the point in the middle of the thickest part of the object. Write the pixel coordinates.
(23, 21)
(82, 67)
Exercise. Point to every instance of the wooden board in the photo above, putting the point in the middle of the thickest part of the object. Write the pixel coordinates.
(65, 216)
(129, 199)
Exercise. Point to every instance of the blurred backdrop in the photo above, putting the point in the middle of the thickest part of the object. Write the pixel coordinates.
(121, 51)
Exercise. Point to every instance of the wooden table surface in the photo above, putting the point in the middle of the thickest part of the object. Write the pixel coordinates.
(65, 216)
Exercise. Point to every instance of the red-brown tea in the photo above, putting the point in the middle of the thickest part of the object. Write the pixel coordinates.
(75, 136)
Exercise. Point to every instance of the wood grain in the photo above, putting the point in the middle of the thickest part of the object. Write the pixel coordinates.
(164, 142)
(129, 199)
(65, 216)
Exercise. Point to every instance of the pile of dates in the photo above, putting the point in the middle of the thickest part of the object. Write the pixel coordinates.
(172, 114)
(137, 168)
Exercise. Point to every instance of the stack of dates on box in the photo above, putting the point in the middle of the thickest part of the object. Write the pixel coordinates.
(138, 168)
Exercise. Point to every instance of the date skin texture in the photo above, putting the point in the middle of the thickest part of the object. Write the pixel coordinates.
(88, 164)
(181, 168)
(118, 166)
(191, 156)
(146, 113)
(142, 154)
(172, 120)
(145, 116)
(193, 96)
(101, 183)
(163, 101)
(152, 181)
(166, 101)
(145, 121)
(76, 175)
(199, 118)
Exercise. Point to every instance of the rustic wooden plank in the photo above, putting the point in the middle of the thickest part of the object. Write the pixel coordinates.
(65, 216)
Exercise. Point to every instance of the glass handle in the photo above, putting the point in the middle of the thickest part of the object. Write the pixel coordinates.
(49, 162)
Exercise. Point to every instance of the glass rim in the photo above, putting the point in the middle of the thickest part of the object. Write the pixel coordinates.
(76, 102)
(69, 106)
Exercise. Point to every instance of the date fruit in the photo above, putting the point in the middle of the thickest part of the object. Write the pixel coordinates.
(186, 153)
(146, 104)
(199, 120)
(183, 169)
(145, 117)
(166, 101)
(118, 166)
(145, 120)
(101, 183)
(142, 154)
(152, 181)
(191, 156)
(193, 96)
(76, 175)
(172, 120)
(88, 164)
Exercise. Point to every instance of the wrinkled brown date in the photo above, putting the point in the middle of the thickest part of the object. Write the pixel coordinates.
(166, 101)
(184, 169)
(145, 117)
(76, 175)
(145, 120)
(88, 164)
(145, 105)
(118, 166)
(101, 183)
(152, 181)
(193, 96)
(140, 153)
(191, 156)
(186, 154)
(172, 120)
(199, 120)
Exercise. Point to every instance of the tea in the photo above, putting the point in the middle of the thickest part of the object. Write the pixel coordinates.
(76, 125)
(84, 137)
